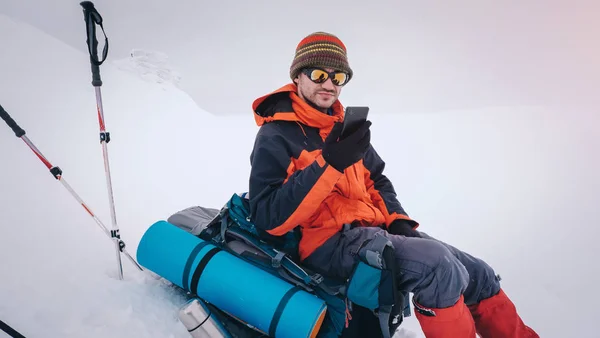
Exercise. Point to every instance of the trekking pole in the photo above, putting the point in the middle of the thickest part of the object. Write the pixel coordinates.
(57, 173)
(93, 18)
(10, 331)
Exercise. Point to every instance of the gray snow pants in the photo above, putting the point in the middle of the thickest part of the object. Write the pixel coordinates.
(437, 273)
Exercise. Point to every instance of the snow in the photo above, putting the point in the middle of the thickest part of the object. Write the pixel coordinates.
(515, 185)
(151, 66)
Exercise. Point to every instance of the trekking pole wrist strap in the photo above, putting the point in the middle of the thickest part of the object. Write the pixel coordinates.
(93, 18)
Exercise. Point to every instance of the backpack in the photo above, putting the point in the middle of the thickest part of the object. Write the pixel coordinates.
(371, 288)
(238, 210)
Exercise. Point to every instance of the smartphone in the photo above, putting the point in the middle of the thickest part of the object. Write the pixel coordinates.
(354, 117)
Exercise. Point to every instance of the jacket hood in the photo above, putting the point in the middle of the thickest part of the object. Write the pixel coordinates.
(284, 104)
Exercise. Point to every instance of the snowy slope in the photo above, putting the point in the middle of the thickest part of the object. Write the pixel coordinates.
(514, 185)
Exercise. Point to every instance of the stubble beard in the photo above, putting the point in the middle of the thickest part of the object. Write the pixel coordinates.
(312, 100)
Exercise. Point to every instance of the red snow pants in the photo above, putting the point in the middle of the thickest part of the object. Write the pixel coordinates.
(495, 317)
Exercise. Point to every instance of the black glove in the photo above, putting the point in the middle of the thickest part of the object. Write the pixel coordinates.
(342, 153)
(403, 227)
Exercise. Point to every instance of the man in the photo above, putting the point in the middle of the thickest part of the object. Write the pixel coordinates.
(303, 175)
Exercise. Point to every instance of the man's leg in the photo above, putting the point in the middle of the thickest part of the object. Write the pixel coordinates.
(494, 313)
(425, 267)
(483, 282)
(438, 280)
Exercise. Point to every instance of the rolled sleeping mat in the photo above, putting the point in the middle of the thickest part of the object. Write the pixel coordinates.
(244, 291)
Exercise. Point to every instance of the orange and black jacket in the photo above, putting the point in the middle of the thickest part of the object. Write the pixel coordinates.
(291, 185)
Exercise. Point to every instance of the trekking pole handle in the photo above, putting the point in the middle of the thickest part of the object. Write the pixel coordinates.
(93, 18)
(11, 123)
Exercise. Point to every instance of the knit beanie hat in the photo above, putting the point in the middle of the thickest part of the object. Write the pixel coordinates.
(320, 49)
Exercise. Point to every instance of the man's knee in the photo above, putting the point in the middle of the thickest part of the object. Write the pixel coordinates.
(484, 282)
(451, 279)
(430, 270)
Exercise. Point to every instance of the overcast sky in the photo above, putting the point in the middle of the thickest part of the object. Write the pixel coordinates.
(419, 56)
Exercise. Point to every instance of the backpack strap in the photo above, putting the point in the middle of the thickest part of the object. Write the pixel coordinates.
(379, 253)
(224, 224)
(372, 252)
(276, 261)
(235, 212)
(373, 282)
(284, 265)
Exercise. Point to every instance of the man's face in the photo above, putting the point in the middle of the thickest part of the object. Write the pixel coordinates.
(322, 95)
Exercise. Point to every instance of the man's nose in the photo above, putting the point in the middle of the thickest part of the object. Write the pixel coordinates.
(328, 84)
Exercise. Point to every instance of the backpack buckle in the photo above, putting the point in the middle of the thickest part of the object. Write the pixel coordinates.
(316, 279)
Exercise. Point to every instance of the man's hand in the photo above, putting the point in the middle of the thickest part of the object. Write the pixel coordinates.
(403, 227)
(342, 153)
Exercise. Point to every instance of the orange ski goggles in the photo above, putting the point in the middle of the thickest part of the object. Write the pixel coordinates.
(318, 75)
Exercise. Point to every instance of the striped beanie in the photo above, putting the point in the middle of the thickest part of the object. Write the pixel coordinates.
(320, 49)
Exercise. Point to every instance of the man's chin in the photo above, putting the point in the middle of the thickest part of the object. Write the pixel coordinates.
(325, 104)
(321, 104)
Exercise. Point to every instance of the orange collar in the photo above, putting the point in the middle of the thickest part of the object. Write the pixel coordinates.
(301, 112)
